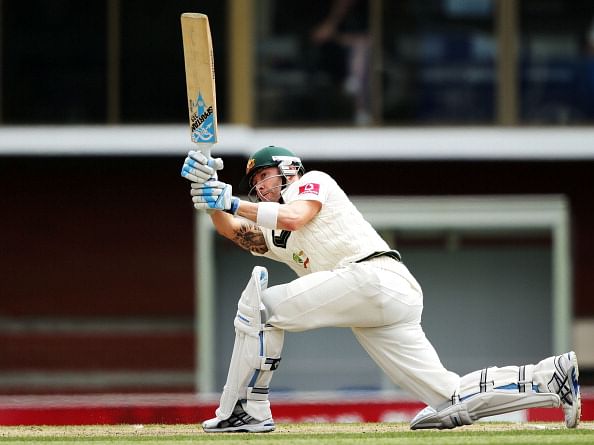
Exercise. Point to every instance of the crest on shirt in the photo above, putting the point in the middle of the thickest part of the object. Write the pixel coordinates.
(310, 187)
(301, 258)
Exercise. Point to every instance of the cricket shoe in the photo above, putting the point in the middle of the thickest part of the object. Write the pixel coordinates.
(238, 422)
(565, 383)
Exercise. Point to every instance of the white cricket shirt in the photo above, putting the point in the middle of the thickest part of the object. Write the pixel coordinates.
(337, 235)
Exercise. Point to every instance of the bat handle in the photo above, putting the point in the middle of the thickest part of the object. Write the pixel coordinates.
(205, 149)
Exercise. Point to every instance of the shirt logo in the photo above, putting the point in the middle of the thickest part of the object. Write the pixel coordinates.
(310, 187)
(301, 258)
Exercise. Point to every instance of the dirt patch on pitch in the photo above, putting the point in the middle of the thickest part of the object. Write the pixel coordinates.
(301, 428)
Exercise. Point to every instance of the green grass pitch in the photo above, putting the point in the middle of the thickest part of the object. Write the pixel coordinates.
(484, 433)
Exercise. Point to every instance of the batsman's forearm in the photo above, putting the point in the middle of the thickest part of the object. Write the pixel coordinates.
(290, 216)
(245, 234)
(248, 210)
(224, 223)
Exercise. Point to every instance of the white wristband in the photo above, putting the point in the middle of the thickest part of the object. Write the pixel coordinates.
(267, 214)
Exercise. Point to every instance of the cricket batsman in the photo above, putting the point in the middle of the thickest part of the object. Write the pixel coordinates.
(348, 276)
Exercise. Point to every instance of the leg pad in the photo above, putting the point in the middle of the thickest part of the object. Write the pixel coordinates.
(256, 353)
(480, 405)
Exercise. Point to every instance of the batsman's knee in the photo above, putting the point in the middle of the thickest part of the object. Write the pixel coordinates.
(250, 309)
(446, 418)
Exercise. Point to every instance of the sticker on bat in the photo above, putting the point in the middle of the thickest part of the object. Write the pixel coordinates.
(203, 121)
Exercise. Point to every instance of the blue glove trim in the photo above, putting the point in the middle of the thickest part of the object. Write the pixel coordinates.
(234, 205)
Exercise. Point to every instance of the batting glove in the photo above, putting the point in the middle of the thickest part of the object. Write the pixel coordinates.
(214, 195)
(198, 168)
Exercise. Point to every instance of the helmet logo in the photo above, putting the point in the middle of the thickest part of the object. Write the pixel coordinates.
(250, 165)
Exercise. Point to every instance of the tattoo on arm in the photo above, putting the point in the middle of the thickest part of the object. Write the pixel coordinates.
(250, 237)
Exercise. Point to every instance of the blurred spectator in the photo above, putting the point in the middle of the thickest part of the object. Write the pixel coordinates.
(590, 39)
(347, 25)
(588, 96)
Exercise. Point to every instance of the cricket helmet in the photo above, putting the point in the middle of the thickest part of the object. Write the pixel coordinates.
(272, 156)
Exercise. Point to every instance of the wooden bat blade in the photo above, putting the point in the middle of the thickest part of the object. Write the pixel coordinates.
(200, 80)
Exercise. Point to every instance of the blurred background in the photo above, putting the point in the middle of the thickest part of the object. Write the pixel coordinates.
(476, 116)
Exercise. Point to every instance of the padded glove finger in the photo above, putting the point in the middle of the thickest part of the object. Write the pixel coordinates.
(215, 163)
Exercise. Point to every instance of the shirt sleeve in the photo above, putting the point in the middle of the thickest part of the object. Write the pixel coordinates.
(313, 186)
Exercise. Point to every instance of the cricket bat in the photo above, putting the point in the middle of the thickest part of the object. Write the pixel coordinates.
(200, 80)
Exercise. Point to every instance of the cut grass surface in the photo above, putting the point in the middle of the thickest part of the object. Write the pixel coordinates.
(485, 433)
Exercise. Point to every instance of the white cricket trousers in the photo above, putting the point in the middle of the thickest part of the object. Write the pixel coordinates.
(382, 303)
